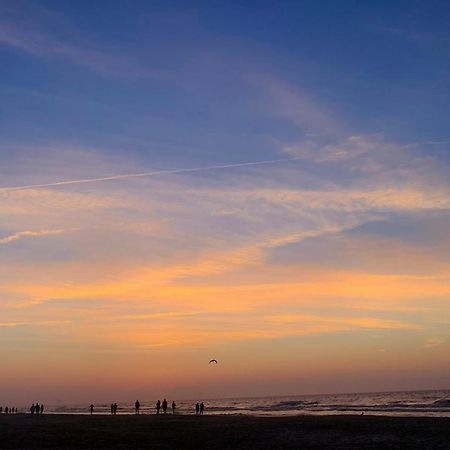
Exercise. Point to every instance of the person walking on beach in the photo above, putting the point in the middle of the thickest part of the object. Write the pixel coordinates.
(164, 406)
(197, 408)
(174, 405)
(91, 408)
(137, 406)
(202, 407)
(42, 409)
(158, 406)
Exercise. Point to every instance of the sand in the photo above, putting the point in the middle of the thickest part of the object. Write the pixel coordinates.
(223, 432)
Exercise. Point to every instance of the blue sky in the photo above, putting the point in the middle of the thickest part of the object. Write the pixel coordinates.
(345, 241)
(174, 83)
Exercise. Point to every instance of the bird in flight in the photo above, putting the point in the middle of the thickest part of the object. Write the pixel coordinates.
(213, 361)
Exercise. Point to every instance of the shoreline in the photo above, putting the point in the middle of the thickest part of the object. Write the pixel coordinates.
(299, 413)
(78, 431)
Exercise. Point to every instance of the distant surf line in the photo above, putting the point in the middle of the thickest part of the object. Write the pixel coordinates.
(146, 174)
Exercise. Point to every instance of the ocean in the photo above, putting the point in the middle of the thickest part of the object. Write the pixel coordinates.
(412, 403)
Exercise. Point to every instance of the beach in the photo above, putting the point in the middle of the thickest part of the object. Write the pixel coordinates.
(58, 431)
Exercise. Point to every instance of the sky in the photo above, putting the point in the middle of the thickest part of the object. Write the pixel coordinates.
(263, 183)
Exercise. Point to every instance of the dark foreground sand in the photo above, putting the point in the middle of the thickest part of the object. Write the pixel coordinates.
(223, 432)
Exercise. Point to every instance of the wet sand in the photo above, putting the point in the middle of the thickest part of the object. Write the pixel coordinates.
(223, 432)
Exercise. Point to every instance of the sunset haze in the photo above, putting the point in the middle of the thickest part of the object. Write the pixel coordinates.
(137, 243)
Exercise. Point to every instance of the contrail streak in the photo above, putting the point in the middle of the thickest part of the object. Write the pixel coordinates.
(145, 174)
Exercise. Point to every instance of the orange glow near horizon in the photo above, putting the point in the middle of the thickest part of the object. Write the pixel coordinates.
(94, 317)
(133, 286)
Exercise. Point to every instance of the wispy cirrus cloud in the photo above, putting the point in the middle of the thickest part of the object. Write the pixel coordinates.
(29, 234)
(433, 342)
(43, 323)
(356, 159)
(45, 34)
(296, 106)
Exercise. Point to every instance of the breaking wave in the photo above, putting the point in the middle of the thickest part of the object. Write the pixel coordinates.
(431, 403)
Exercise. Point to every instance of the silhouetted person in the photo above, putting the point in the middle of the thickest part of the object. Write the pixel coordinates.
(158, 406)
(1, 409)
(164, 406)
(115, 408)
(32, 409)
(6, 410)
(197, 408)
(174, 405)
(91, 408)
(42, 408)
(112, 408)
(38, 408)
(202, 407)
(137, 406)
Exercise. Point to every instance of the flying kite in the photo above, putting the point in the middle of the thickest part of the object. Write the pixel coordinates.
(213, 361)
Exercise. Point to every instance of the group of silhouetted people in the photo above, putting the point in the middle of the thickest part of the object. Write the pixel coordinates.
(8, 410)
(36, 409)
(161, 407)
(164, 405)
(199, 408)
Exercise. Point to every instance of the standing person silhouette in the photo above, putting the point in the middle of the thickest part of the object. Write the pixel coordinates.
(202, 407)
(158, 406)
(38, 408)
(174, 405)
(137, 406)
(112, 408)
(115, 408)
(164, 406)
(32, 409)
(197, 408)
(42, 408)
(91, 408)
